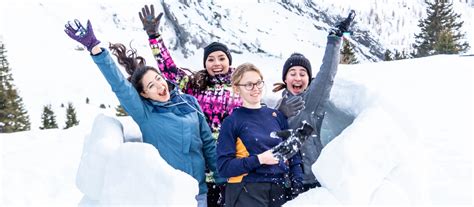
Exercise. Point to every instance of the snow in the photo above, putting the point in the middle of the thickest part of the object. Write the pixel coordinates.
(408, 141)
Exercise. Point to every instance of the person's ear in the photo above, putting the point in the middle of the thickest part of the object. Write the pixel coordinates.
(145, 95)
(236, 89)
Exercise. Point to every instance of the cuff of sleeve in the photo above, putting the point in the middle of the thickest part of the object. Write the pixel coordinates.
(154, 36)
(254, 163)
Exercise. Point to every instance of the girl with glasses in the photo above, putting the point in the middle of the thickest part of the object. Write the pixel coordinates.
(244, 156)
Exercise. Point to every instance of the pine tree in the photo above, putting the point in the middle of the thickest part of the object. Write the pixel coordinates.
(347, 53)
(439, 26)
(120, 111)
(387, 55)
(71, 118)
(445, 44)
(13, 115)
(48, 118)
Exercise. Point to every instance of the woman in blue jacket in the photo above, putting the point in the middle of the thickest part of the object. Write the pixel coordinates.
(170, 121)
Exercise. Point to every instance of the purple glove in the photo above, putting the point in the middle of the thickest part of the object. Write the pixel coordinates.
(84, 36)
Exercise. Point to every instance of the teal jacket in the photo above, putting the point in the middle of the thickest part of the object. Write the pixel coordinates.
(176, 128)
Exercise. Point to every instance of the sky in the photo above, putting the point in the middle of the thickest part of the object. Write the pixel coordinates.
(408, 142)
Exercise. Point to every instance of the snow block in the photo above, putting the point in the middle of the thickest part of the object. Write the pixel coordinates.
(137, 175)
(356, 162)
(315, 197)
(104, 139)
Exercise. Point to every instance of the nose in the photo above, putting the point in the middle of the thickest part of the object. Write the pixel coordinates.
(298, 77)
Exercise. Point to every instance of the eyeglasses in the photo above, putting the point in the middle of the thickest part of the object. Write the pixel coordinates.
(250, 86)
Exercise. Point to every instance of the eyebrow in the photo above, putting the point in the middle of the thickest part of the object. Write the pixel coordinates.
(148, 85)
(221, 55)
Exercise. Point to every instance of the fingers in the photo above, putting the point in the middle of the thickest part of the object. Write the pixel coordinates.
(159, 16)
(89, 26)
(152, 10)
(69, 27)
(70, 33)
(147, 10)
(78, 24)
(141, 16)
(298, 105)
(284, 134)
(295, 99)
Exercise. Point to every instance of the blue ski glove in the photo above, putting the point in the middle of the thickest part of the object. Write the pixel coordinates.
(85, 36)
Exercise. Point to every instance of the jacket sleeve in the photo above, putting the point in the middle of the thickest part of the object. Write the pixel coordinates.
(125, 92)
(208, 141)
(228, 164)
(165, 62)
(320, 88)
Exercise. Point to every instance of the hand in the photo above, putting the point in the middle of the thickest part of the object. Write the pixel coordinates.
(343, 27)
(291, 106)
(267, 158)
(149, 21)
(84, 36)
(292, 141)
(293, 191)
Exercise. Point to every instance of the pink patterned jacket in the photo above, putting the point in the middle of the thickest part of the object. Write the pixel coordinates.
(217, 101)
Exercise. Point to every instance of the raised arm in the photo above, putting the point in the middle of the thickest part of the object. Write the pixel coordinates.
(125, 92)
(162, 56)
(320, 88)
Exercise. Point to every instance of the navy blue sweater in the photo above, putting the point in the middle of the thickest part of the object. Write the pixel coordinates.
(244, 135)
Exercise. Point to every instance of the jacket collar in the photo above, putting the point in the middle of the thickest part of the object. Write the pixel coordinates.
(221, 78)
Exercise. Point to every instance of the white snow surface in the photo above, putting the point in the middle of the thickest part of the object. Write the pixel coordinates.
(410, 142)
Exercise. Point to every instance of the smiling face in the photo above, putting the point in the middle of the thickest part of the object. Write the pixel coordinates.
(154, 87)
(250, 89)
(217, 63)
(297, 80)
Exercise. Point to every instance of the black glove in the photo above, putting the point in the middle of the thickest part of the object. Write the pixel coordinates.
(149, 21)
(294, 190)
(291, 106)
(293, 139)
(343, 27)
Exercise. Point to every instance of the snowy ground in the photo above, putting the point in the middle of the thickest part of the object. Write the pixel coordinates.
(410, 143)
(409, 140)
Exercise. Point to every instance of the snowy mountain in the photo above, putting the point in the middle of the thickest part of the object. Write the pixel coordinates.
(267, 29)
(401, 131)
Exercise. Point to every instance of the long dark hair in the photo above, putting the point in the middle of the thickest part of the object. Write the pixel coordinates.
(198, 80)
(134, 65)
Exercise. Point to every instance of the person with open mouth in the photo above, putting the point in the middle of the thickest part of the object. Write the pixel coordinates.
(156, 105)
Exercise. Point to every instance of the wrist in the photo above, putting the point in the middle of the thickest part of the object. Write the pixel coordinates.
(154, 36)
